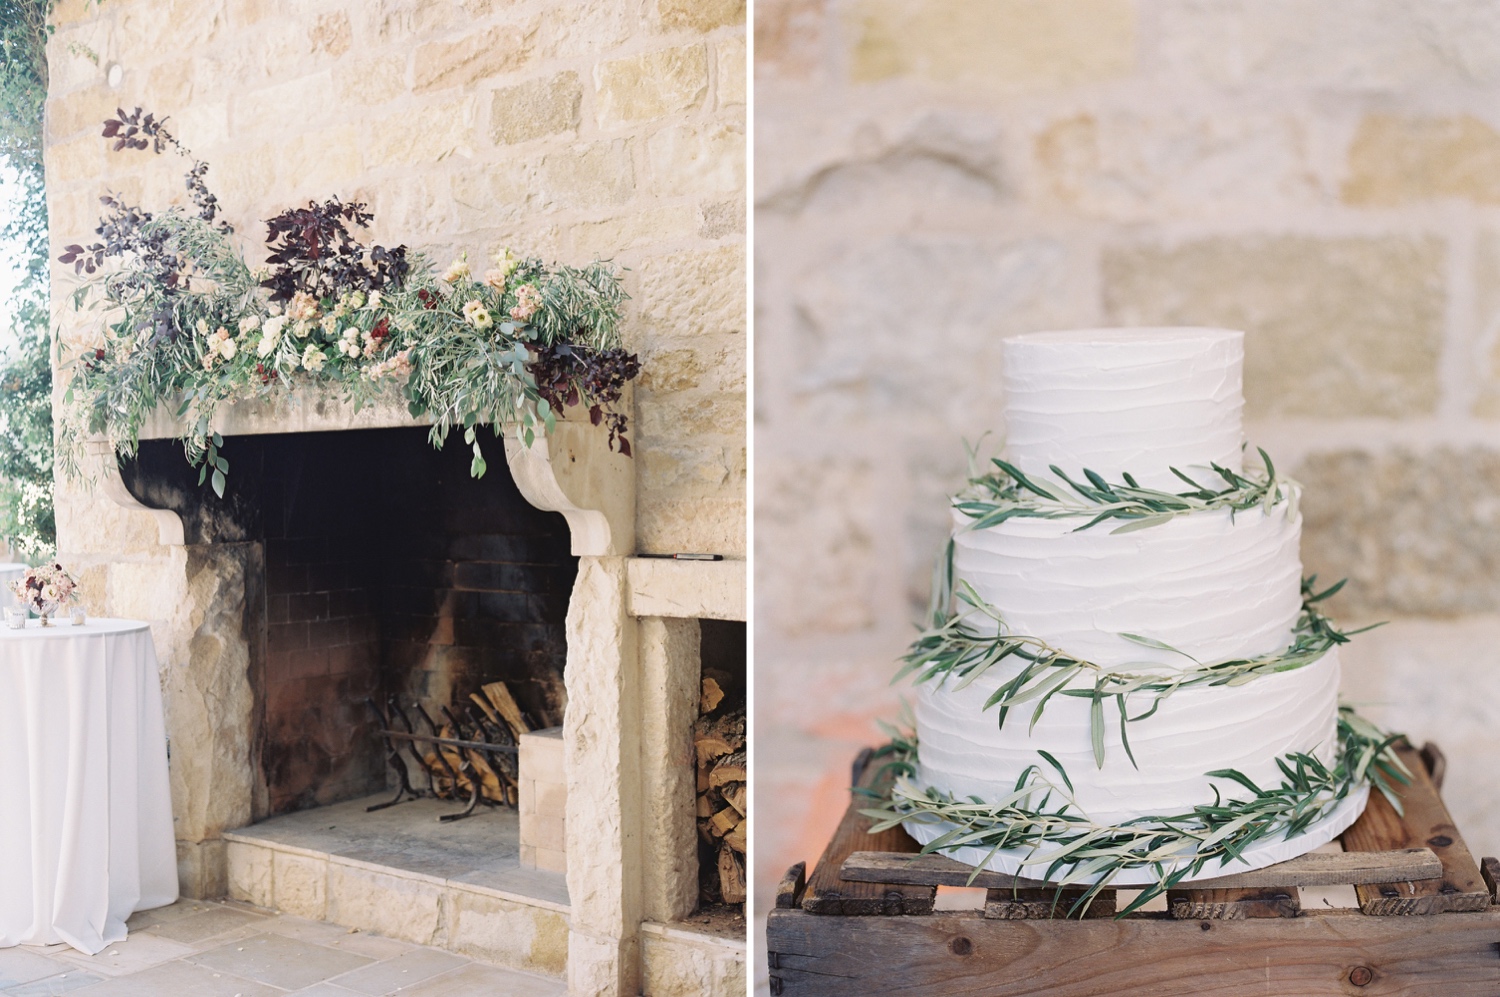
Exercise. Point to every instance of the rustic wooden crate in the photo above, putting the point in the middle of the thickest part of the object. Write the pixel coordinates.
(863, 923)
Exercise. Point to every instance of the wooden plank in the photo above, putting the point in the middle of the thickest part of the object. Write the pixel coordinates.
(1489, 868)
(789, 893)
(1034, 904)
(1234, 904)
(962, 954)
(829, 893)
(1425, 823)
(1314, 869)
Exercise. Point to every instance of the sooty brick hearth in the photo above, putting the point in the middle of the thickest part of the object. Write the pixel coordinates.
(387, 569)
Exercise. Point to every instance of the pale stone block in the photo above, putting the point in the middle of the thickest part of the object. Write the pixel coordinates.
(550, 860)
(1396, 159)
(80, 111)
(670, 689)
(528, 856)
(698, 159)
(301, 885)
(731, 71)
(510, 934)
(689, 294)
(592, 175)
(536, 108)
(551, 799)
(202, 869)
(1335, 327)
(526, 802)
(407, 909)
(670, 968)
(588, 27)
(688, 589)
(331, 33)
(1005, 42)
(493, 52)
(265, 112)
(718, 219)
(547, 829)
(730, 977)
(540, 755)
(635, 228)
(450, 126)
(699, 15)
(1414, 532)
(79, 159)
(602, 965)
(373, 79)
(250, 874)
(652, 84)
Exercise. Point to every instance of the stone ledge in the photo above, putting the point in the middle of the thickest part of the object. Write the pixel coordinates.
(679, 961)
(687, 933)
(687, 589)
(303, 411)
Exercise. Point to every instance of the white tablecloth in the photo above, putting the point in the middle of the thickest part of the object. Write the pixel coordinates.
(85, 807)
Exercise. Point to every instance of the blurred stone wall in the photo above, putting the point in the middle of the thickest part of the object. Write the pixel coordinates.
(570, 130)
(934, 175)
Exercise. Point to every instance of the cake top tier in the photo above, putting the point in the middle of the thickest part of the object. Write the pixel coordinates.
(1124, 400)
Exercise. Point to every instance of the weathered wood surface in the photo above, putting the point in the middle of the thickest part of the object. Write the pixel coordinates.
(1489, 868)
(789, 892)
(1235, 904)
(829, 893)
(1425, 823)
(1314, 869)
(1032, 904)
(1436, 763)
(962, 954)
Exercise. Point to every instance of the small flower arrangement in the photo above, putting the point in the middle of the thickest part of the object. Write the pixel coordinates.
(44, 590)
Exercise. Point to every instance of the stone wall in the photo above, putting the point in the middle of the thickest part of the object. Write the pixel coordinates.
(934, 175)
(574, 130)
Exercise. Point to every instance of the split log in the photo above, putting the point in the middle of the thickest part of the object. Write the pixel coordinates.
(734, 795)
(505, 705)
(728, 769)
(715, 737)
(731, 876)
(736, 838)
(724, 821)
(711, 697)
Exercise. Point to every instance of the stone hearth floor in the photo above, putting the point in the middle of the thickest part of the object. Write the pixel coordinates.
(203, 949)
(480, 850)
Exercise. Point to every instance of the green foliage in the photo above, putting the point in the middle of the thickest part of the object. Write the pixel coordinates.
(1040, 819)
(26, 463)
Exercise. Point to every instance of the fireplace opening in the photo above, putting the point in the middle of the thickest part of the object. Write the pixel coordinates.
(374, 566)
(720, 746)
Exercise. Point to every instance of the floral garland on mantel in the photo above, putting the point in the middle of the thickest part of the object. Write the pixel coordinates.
(1073, 849)
(188, 323)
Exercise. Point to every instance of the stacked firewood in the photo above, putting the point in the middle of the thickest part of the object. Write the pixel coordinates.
(500, 720)
(723, 815)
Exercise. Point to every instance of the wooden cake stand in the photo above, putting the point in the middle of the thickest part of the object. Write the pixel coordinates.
(864, 923)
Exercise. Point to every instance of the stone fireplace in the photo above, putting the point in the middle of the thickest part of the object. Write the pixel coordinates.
(350, 559)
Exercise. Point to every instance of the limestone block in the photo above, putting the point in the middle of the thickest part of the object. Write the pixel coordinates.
(587, 27)
(1335, 327)
(1396, 159)
(1486, 323)
(698, 159)
(301, 885)
(815, 534)
(494, 51)
(586, 175)
(331, 33)
(536, 108)
(372, 79)
(635, 227)
(729, 60)
(602, 965)
(551, 799)
(412, 910)
(699, 15)
(80, 111)
(450, 126)
(729, 976)
(250, 873)
(692, 293)
(510, 934)
(202, 872)
(1414, 532)
(1150, 163)
(670, 671)
(718, 219)
(688, 589)
(670, 968)
(650, 85)
(265, 112)
(1005, 42)
(550, 860)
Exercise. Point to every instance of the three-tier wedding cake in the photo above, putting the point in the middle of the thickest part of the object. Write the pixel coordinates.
(1127, 614)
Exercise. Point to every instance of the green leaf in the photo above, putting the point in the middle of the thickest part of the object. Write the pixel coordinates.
(218, 483)
(1096, 728)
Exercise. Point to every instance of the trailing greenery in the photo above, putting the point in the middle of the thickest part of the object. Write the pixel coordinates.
(954, 649)
(26, 459)
(1040, 817)
(183, 321)
(1008, 493)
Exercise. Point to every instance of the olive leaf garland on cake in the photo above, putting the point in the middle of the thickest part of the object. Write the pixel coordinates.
(185, 321)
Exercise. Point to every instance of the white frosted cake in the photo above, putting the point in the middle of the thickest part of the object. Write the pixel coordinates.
(1209, 586)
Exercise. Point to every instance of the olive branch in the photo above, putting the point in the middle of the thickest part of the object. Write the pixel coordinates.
(956, 649)
(1040, 815)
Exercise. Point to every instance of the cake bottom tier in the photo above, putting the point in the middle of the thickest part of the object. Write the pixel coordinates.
(964, 752)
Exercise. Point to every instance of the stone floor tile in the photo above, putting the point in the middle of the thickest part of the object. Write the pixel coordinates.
(52, 986)
(179, 979)
(479, 980)
(339, 937)
(280, 961)
(401, 972)
(143, 919)
(325, 990)
(22, 965)
(137, 952)
(204, 924)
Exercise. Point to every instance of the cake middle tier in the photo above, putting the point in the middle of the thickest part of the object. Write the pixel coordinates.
(1215, 585)
(964, 752)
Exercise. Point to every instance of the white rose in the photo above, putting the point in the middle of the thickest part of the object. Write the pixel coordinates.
(267, 345)
(313, 358)
(227, 349)
(373, 302)
(274, 325)
(249, 324)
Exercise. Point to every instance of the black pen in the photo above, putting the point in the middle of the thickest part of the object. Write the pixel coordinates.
(687, 557)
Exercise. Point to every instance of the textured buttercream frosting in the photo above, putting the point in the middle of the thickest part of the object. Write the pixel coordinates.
(1213, 584)
(1117, 400)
